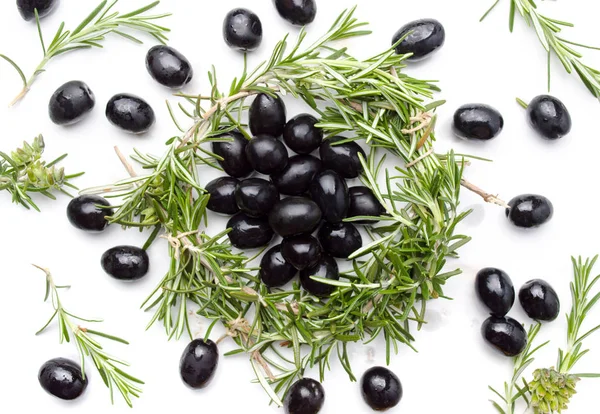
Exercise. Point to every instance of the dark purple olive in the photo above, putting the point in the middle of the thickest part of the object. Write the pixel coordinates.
(126, 262)
(295, 179)
(505, 334)
(130, 113)
(539, 300)
(325, 268)
(169, 67)
(477, 122)
(70, 103)
(305, 396)
(267, 115)
(232, 150)
(199, 363)
(89, 212)
(381, 388)
(495, 290)
(301, 251)
(242, 30)
(342, 158)
(549, 117)
(266, 154)
(339, 240)
(274, 270)
(529, 210)
(301, 135)
(44, 8)
(249, 232)
(297, 12)
(222, 195)
(330, 192)
(364, 203)
(295, 215)
(256, 197)
(62, 378)
(421, 38)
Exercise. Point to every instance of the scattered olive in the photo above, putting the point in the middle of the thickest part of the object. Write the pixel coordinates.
(274, 270)
(529, 210)
(363, 203)
(256, 197)
(301, 135)
(232, 150)
(505, 334)
(242, 30)
(44, 8)
(266, 154)
(420, 37)
(495, 289)
(222, 195)
(62, 378)
(295, 179)
(301, 251)
(340, 240)
(325, 268)
(549, 117)
(330, 192)
(297, 12)
(199, 363)
(342, 158)
(539, 300)
(295, 215)
(381, 388)
(130, 113)
(305, 396)
(169, 67)
(249, 232)
(126, 262)
(477, 122)
(267, 115)
(70, 103)
(89, 212)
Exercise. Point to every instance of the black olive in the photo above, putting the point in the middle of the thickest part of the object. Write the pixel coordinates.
(62, 378)
(295, 179)
(495, 289)
(330, 192)
(130, 113)
(169, 67)
(242, 30)
(126, 262)
(301, 135)
(256, 197)
(232, 150)
(267, 115)
(70, 103)
(295, 215)
(222, 195)
(86, 212)
(340, 240)
(342, 158)
(529, 210)
(297, 12)
(381, 388)
(305, 396)
(301, 251)
(539, 300)
(505, 334)
(477, 122)
(266, 154)
(199, 363)
(364, 203)
(421, 38)
(549, 117)
(249, 232)
(274, 270)
(325, 268)
(44, 8)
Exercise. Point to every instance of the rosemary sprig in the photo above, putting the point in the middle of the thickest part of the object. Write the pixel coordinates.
(109, 367)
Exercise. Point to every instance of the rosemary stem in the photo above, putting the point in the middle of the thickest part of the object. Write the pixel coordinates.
(487, 197)
(30, 81)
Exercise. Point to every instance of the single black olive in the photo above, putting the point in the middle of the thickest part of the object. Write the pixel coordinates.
(232, 150)
(295, 179)
(249, 232)
(130, 113)
(381, 388)
(70, 103)
(340, 240)
(222, 195)
(301, 251)
(242, 30)
(274, 270)
(539, 300)
(295, 215)
(549, 117)
(256, 197)
(505, 334)
(62, 378)
(169, 67)
(199, 363)
(477, 122)
(421, 38)
(44, 8)
(126, 262)
(89, 212)
(495, 290)
(364, 203)
(325, 268)
(529, 210)
(297, 12)
(301, 135)
(330, 192)
(266, 154)
(305, 396)
(342, 158)
(267, 115)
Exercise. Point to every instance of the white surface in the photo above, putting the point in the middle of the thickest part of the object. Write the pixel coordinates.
(450, 374)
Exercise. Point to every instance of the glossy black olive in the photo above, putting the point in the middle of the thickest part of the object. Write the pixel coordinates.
(267, 115)
(505, 334)
(62, 378)
(301, 251)
(232, 150)
(70, 103)
(274, 270)
(364, 203)
(297, 12)
(168, 67)
(477, 122)
(330, 192)
(242, 30)
(295, 179)
(495, 289)
(199, 363)
(126, 262)
(305, 396)
(340, 240)
(342, 158)
(130, 113)
(44, 8)
(86, 213)
(249, 232)
(256, 197)
(301, 135)
(529, 210)
(295, 215)
(222, 195)
(381, 388)
(266, 154)
(539, 300)
(421, 38)
(325, 268)
(549, 117)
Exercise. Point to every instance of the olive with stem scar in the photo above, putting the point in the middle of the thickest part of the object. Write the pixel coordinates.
(242, 30)
(231, 148)
(267, 115)
(325, 268)
(89, 212)
(256, 197)
(477, 122)
(297, 12)
(381, 388)
(222, 195)
(62, 378)
(70, 103)
(130, 113)
(420, 37)
(266, 154)
(168, 67)
(539, 300)
(305, 396)
(505, 334)
(296, 177)
(549, 117)
(126, 263)
(275, 271)
(301, 251)
(529, 210)
(199, 363)
(249, 232)
(295, 215)
(301, 135)
(495, 290)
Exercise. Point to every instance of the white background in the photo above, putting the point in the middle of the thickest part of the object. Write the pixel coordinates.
(479, 63)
